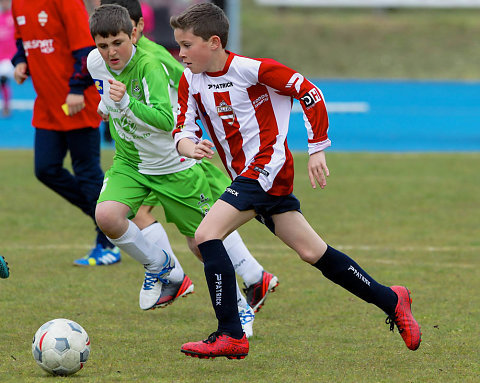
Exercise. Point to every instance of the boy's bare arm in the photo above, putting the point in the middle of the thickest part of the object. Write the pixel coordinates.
(186, 147)
(318, 170)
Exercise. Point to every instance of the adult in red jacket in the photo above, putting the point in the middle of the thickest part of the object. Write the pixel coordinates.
(53, 41)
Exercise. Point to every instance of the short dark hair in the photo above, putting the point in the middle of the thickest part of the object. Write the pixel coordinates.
(110, 20)
(133, 7)
(205, 20)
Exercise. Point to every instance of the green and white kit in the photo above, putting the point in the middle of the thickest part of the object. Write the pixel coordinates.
(146, 160)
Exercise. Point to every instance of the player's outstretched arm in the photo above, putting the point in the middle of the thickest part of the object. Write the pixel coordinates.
(186, 147)
(318, 170)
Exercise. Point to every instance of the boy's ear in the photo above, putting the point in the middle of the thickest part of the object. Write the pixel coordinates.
(140, 26)
(135, 35)
(215, 42)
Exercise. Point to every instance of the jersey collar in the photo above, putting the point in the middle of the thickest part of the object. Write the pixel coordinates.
(225, 68)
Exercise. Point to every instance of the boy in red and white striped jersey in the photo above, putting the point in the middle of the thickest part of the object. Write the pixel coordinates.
(245, 105)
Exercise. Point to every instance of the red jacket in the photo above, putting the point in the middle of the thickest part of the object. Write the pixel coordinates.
(51, 30)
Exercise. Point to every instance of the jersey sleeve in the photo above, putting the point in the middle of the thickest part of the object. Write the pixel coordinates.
(290, 83)
(157, 111)
(187, 113)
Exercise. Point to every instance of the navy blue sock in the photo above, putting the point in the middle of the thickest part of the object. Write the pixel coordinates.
(344, 271)
(221, 281)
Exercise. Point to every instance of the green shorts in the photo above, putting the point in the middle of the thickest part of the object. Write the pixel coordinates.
(185, 196)
(217, 180)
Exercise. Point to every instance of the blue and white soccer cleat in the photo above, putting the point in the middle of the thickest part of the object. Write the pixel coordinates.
(100, 256)
(151, 290)
(4, 270)
(247, 316)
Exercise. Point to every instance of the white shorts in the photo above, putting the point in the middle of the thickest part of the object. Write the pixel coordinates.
(6, 68)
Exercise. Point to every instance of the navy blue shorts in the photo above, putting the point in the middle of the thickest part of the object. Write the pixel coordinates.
(247, 194)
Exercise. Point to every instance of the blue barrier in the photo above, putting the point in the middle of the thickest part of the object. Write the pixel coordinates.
(365, 115)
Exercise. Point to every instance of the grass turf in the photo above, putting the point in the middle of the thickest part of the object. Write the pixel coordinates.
(365, 43)
(406, 218)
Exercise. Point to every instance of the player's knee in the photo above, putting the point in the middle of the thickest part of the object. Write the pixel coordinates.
(45, 174)
(309, 255)
(107, 220)
(192, 245)
(202, 236)
(143, 219)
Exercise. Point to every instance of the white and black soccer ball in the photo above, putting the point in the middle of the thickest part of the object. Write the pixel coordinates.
(61, 347)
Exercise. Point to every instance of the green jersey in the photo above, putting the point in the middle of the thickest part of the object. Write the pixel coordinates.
(173, 68)
(140, 123)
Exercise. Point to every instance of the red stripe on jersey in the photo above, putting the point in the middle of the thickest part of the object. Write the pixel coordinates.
(231, 127)
(268, 134)
(283, 183)
(265, 117)
(183, 107)
(183, 89)
(209, 127)
(290, 83)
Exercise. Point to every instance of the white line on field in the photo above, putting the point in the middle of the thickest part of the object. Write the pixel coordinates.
(277, 245)
(339, 107)
(332, 107)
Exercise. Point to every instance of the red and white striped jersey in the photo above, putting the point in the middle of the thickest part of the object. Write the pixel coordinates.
(246, 110)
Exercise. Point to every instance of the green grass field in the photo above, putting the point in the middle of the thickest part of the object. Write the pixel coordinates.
(407, 218)
(365, 43)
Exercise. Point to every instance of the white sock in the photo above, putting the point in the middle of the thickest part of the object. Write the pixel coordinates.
(155, 233)
(243, 262)
(133, 243)
(241, 301)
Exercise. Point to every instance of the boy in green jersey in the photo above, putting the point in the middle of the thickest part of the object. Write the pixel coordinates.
(258, 282)
(134, 90)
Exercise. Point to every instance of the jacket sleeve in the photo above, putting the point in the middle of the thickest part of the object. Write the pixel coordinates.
(19, 56)
(80, 79)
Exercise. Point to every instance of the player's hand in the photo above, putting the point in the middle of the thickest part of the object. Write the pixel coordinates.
(317, 169)
(20, 73)
(105, 117)
(203, 149)
(117, 90)
(75, 102)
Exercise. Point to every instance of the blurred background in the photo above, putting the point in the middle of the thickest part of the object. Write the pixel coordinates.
(397, 75)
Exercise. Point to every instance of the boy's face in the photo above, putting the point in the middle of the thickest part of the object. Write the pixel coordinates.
(195, 52)
(115, 50)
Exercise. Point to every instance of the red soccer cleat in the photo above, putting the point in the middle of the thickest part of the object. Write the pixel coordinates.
(257, 293)
(217, 344)
(407, 326)
(172, 291)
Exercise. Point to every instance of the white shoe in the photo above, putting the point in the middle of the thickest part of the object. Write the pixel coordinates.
(152, 285)
(247, 316)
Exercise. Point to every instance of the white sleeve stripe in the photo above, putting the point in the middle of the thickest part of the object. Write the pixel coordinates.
(147, 91)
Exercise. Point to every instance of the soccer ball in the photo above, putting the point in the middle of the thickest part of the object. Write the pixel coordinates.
(61, 347)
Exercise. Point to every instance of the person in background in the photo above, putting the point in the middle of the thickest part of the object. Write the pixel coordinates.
(148, 19)
(53, 41)
(4, 270)
(7, 50)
